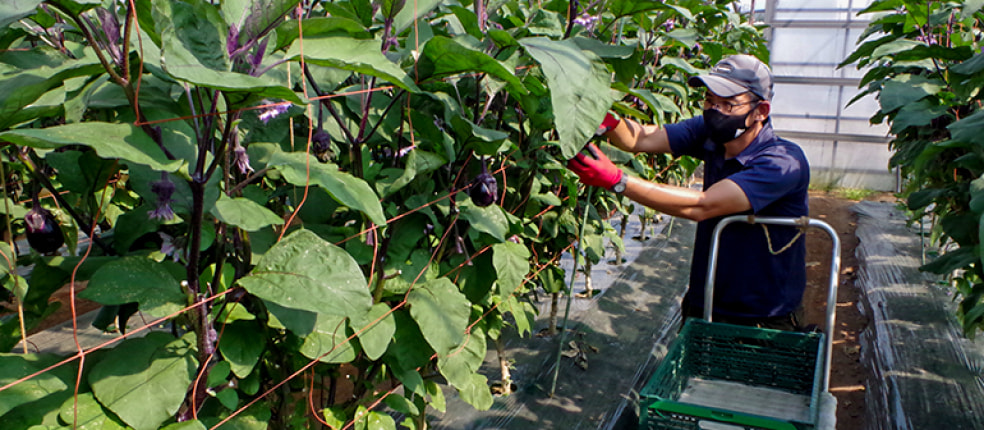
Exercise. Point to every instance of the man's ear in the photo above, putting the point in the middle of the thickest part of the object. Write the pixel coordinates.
(762, 110)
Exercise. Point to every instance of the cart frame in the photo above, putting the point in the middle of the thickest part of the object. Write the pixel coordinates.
(763, 361)
(804, 223)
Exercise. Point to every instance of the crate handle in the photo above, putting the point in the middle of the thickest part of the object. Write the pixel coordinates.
(724, 415)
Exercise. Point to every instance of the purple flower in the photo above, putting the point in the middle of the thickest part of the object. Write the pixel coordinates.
(404, 151)
(258, 55)
(669, 25)
(168, 247)
(232, 42)
(587, 21)
(164, 189)
(272, 111)
(241, 159)
(928, 39)
(111, 28)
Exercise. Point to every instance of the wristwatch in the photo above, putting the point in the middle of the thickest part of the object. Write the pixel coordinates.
(619, 186)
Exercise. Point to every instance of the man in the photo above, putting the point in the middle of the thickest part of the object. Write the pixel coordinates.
(747, 170)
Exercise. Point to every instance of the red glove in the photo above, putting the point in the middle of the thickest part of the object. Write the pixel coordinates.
(609, 123)
(595, 169)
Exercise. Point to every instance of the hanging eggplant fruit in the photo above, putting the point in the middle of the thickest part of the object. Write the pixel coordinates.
(43, 233)
(484, 189)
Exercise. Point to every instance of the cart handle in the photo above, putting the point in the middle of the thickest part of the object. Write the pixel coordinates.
(803, 222)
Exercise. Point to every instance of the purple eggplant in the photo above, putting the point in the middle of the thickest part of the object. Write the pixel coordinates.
(484, 188)
(43, 232)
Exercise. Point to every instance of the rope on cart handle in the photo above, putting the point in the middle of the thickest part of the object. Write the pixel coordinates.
(803, 222)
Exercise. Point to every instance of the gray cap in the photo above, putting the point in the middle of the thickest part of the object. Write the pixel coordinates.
(737, 74)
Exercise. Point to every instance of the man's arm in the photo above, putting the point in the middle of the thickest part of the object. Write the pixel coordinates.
(722, 198)
(631, 136)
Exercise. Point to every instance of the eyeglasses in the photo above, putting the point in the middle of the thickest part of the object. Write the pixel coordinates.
(723, 105)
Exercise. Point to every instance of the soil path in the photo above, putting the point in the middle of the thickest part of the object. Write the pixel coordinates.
(847, 373)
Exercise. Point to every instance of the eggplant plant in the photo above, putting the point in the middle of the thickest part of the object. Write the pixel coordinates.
(923, 62)
(285, 184)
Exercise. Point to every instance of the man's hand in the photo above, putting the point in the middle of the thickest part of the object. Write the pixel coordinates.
(607, 124)
(595, 169)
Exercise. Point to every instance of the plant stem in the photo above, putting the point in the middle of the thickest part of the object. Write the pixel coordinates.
(567, 312)
(503, 366)
(552, 325)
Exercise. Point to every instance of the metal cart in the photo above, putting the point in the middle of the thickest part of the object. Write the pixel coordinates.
(719, 376)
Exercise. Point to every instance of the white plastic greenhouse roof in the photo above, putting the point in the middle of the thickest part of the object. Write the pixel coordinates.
(808, 39)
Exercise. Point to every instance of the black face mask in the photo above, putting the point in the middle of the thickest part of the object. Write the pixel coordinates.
(724, 128)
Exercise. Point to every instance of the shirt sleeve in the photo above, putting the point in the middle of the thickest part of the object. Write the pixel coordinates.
(775, 173)
(687, 137)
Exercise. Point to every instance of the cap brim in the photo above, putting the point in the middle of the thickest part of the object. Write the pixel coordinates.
(717, 85)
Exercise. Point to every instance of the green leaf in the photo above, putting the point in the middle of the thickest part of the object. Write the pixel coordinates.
(578, 109)
(970, 7)
(511, 261)
(240, 345)
(968, 128)
(485, 141)
(263, 16)
(918, 114)
(188, 425)
(604, 50)
(686, 36)
(190, 36)
(961, 258)
(970, 67)
(401, 404)
(443, 56)
(622, 8)
(894, 47)
(905, 89)
(489, 219)
(419, 163)
(334, 417)
(523, 313)
(442, 313)
(328, 342)
(376, 421)
(436, 396)
(977, 195)
(355, 55)
(980, 234)
(408, 15)
(16, 366)
(376, 330)
(144, 380)
(123, 141)
(305, 272)
(90, 416)
(656, 102)
(460, 370)
(76, 7)
(137, 279)
(13, 10)
(320, 27)
(244, 213)
(552, 279)
(343, 187)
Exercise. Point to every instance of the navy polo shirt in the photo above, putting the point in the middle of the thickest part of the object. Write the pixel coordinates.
(775, 176)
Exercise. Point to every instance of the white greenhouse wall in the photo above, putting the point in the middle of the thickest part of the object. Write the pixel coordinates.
(808, 39)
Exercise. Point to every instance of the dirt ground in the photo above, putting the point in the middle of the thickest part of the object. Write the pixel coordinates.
(847, 373)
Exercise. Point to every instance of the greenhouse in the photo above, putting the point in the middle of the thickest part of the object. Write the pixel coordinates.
(427, 214)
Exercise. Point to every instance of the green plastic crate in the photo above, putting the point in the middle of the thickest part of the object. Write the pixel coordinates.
(726, 376)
